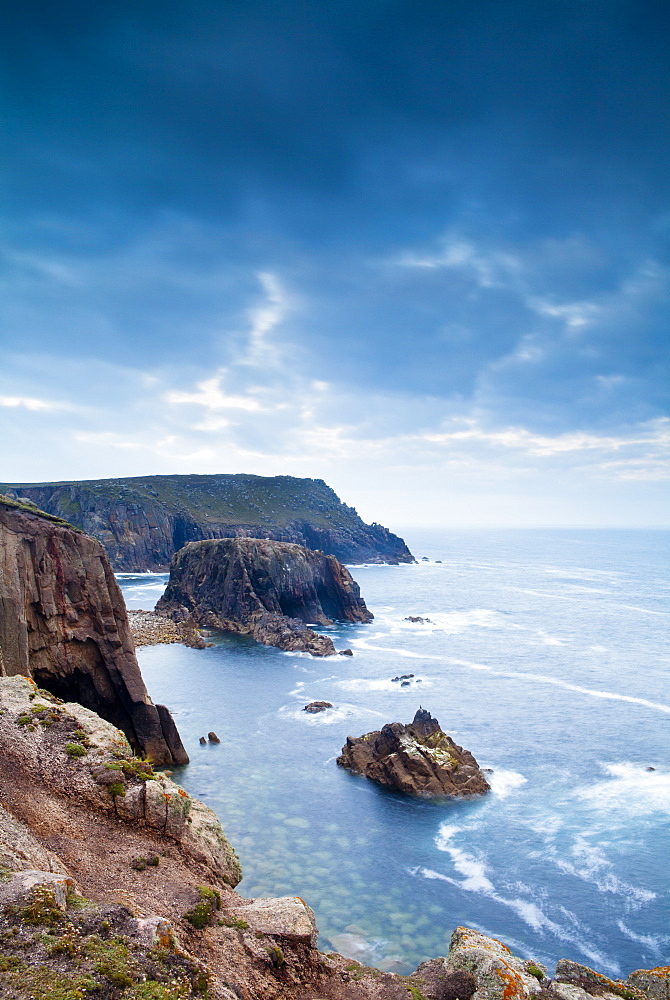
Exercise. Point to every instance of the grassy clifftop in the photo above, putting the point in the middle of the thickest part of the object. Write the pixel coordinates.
(143, 520)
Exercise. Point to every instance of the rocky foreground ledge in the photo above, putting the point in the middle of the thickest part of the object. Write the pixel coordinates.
(115, 884)
(418, 759)
(273, 591)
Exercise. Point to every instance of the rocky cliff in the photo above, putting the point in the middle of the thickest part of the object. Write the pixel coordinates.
(418, 759)
(263, 588)
(63, 623)
(143, 521)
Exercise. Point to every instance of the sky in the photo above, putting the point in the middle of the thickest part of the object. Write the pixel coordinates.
(417, 248)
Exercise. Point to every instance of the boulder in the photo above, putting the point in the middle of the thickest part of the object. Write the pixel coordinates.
(286, 916)
(271, 590)
(418, 759)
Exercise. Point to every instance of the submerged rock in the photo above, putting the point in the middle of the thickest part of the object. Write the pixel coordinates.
(418, 759)
(317, 706)
(270, 590)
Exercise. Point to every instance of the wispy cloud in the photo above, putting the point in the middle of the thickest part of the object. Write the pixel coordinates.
(31, 403)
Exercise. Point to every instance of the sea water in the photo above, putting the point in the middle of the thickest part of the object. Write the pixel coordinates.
(546, 655)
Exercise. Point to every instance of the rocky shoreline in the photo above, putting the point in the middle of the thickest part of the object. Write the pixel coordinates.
(151, 629)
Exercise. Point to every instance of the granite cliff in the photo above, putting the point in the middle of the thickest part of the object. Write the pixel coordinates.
(418, 759)
(267, 589)
(143, 521)
(63, 623)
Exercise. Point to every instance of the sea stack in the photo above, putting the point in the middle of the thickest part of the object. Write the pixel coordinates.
(270, 590)
(418, 759)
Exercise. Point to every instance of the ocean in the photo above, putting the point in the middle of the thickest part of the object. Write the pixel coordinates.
(546, 655)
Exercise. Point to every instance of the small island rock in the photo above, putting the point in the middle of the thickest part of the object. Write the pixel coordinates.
(317, 706)
(267, 589)
(418, 759)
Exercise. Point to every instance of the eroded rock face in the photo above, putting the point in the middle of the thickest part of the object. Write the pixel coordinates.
(271, 590)
(418, 759)
(63, 622)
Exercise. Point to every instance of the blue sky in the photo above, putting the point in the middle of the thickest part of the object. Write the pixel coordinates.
(419, 249)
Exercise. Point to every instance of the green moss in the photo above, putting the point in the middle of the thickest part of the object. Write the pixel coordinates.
(6, 501)
(75, 750)
(238, 925)
(276, 955)
(44, 983)
(153, 990)
(24, 720)
(41, 909)
(116, 788)
(114, 765)
(535, 970)
(112, 959)
(137, 768)
(200, 915)
(415, 993)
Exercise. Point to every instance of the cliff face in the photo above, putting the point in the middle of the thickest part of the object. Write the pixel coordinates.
(143, 521)
(260, 587)
(63, 623)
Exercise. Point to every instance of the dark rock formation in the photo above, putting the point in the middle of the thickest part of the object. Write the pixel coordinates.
(317, 706)
(418, 759)
(262, 588)
(63, 622)
(143, 521)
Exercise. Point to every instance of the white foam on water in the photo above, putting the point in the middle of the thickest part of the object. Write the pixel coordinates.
(550, 640)
(329, 716)
(383, 684)
(629, 792)
(526, 909)
(472, 868)
(656, 943)
(589, 863)
(557, 682)
(453, 622)
(552, 596)
(366, 644)
(503, 783)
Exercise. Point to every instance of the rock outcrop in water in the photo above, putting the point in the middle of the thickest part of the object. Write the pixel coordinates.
(143, 521)
(263, 588)
(63, 623)
(418, 759)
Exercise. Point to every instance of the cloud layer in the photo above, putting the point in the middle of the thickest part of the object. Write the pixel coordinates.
(419, 250)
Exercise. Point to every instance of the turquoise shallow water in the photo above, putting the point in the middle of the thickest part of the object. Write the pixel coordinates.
(547, 656)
